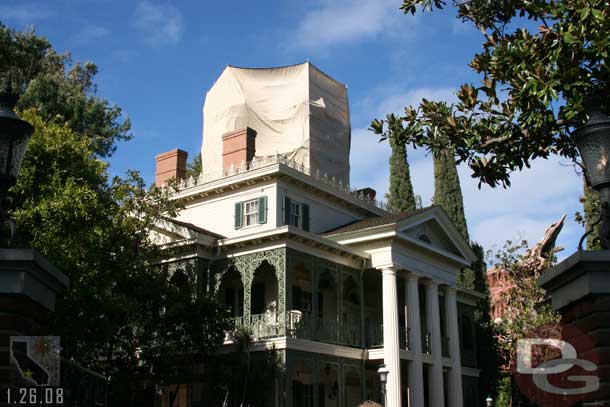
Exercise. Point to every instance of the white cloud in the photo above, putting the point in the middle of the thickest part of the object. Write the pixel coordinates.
(368, 157)
(369, 161)
(25, 13)
(538, 196)
(335, 22)
(91, 33)
(397, 103)
(161, 24)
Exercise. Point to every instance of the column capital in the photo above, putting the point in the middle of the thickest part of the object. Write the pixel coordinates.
(430, 282)
(389, 269)
(449, 290)
(412, 276)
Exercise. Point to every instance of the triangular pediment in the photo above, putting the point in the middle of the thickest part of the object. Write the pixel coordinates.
(429, 229)
(433, 229)
(432, 233)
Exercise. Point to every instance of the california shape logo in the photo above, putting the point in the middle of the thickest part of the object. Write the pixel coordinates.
(36, 359)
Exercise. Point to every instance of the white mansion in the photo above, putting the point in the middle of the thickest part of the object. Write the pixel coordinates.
(320, 272)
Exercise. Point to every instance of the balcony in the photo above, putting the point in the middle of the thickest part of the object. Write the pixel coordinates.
(301, 326)
(374, 337)
(469, 358)
(445, 346)
(304, 326)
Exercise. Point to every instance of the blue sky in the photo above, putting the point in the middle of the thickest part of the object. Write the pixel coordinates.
(158, 58)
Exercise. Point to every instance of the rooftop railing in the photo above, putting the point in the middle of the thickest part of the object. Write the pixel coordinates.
(262, 162)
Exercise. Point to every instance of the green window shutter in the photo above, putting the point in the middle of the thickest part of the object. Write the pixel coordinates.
(262, 209)
(305, 221)
(238, 214)
(286, 210)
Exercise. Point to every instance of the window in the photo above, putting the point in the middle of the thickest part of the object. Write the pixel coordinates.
(293, 213)
(250, 213)
(296, 214)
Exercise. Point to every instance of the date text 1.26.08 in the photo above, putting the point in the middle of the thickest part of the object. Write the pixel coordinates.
(35, 396)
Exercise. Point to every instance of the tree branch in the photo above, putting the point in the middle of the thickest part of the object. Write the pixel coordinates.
(494, 140)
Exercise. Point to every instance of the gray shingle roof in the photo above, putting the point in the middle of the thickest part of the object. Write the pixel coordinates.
(193, 227)
(376, 221)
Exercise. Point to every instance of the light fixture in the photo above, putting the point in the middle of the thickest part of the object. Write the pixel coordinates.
(383, 377)
(14, 136)
(383, 373)
(489, 401)
(593, 142)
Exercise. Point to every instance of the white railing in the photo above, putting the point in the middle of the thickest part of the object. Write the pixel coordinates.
(262, 162)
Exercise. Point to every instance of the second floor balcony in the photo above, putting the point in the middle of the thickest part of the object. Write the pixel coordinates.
(296, 324)
(284, 293)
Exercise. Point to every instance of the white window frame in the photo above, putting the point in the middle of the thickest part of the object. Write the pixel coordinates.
(250, 213)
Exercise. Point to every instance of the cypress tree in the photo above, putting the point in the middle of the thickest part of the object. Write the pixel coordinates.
(400, 197)
(447, 190)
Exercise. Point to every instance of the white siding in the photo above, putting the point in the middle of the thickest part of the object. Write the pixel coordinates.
(218, 214)
(323, 215)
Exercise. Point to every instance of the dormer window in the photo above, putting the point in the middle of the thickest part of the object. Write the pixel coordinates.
(296, 214)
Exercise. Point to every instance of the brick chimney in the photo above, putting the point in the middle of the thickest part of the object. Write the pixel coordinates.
(171, 164)
(238, 146)
(368, 191)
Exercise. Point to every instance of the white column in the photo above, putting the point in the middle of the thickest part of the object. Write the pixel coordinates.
(455, 377)
(434, 325)
(391, 354)
(416, 370)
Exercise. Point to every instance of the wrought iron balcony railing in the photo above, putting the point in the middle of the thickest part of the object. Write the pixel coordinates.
(445, 346)
(261, 162)
(469, 358)
(298, 325)
(305, 326)
(261, 326)
(427, 342)
(374, 336)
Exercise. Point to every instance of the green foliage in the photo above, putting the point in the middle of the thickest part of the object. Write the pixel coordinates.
(194, 167)
(22, 56)
(526, 309)
(122, 315)
(59, 89)
(504, 395)
(466, 278)
(479, 268)
(532, 86)
(487, 352)
(244, 377)
(590, 203)
(447, 189)
(400, 196)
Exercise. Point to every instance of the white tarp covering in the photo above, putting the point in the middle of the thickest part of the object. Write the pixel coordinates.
(297, 111)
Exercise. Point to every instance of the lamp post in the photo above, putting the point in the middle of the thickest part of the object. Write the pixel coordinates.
(14, 136)
(383, 377)
(489, 401)
(593, 142)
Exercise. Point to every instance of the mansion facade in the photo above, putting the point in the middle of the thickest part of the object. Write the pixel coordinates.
(321, 274)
